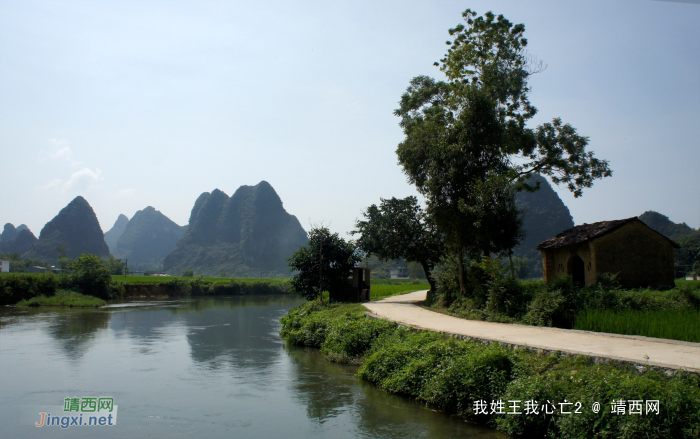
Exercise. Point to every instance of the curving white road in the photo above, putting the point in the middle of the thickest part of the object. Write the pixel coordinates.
(659, 352)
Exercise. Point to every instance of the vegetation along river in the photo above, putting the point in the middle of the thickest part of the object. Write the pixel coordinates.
(213, 367)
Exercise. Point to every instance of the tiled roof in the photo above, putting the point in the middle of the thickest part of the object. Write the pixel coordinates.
(586, 232)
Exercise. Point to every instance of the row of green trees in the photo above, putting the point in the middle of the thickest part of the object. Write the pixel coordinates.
(468, 150)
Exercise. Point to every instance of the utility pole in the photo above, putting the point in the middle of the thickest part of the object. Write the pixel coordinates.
(320, 269)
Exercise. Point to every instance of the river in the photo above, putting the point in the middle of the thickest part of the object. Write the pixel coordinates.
(205, 367)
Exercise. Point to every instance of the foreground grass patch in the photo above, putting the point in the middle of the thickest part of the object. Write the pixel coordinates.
(671, 324)
(454, 375)
(64, 298)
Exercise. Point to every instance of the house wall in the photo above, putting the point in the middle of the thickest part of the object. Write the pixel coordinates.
(642, 257)
(556, 262)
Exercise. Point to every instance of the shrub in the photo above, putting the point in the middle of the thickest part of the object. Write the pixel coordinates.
(450, 375)
(187, 273)
(15, 287)
(91, 276)
(476, 373)
(348, 340)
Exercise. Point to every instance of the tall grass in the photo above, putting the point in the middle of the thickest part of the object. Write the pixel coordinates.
(672, 324)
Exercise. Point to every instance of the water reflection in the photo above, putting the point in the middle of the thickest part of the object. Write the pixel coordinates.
(75, 330)
(239, 334)
(331, 391)
(214, 367)
(325, 389)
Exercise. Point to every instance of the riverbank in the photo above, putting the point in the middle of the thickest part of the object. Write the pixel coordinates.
(555, 395)
(16, 287)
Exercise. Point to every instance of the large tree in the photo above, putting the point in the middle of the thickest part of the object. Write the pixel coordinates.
(324, 264)
(399, 228)
(467, 141)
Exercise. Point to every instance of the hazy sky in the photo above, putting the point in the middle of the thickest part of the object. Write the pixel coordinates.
(138, 103)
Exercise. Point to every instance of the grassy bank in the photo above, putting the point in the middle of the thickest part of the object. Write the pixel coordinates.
(64, 298)
(15, 287)
(209, 280)
(670, 324)
(451, 375)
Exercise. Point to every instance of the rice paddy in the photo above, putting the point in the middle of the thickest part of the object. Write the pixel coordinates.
(670, 324)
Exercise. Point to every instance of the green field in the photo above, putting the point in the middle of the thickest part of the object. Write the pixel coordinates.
(379, 291)
(695, 284)
(671, 324)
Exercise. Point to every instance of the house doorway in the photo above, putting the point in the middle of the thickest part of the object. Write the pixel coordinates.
(577, 270)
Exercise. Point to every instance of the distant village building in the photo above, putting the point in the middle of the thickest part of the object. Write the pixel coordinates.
(357, 288)
(639, 255)
(4, 266)
(35, 269)
(399, 273)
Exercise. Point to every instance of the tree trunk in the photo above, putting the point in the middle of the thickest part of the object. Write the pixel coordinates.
(460, 265)
(512, 270)
(431, 281)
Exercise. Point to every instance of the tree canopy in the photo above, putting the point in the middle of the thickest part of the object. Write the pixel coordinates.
(91, 276)
(399, 228)
(467, 147)
(324, 264)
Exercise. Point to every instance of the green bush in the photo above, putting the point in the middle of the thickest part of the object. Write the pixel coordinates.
(401, 361)
(348, 340)
(579, 380)
(64, 298)
(479, 373)
(15, 287)
(91, 276)
(449, 375)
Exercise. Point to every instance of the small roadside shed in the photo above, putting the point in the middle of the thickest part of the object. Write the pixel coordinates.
(641, 256)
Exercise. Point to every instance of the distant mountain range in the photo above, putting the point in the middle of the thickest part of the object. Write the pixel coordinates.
(248, 234)
(147, 238)
(113, 234)
(16, 240)
(665, 226)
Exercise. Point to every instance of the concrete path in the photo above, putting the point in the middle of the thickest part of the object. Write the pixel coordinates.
(639, 350)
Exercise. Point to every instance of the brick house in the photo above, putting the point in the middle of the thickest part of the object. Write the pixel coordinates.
(642, 256)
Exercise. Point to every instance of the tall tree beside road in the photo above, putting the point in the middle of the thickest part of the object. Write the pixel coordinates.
(399, 228)
(466, 139)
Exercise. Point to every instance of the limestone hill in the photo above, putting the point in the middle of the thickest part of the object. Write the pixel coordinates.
(113, 235)
(247, 234)
(147, 238)
(544, 216)
(665, 226)
(16, 240)
(75, 229)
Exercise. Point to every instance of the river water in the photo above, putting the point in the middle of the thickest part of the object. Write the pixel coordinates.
(207, 368)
